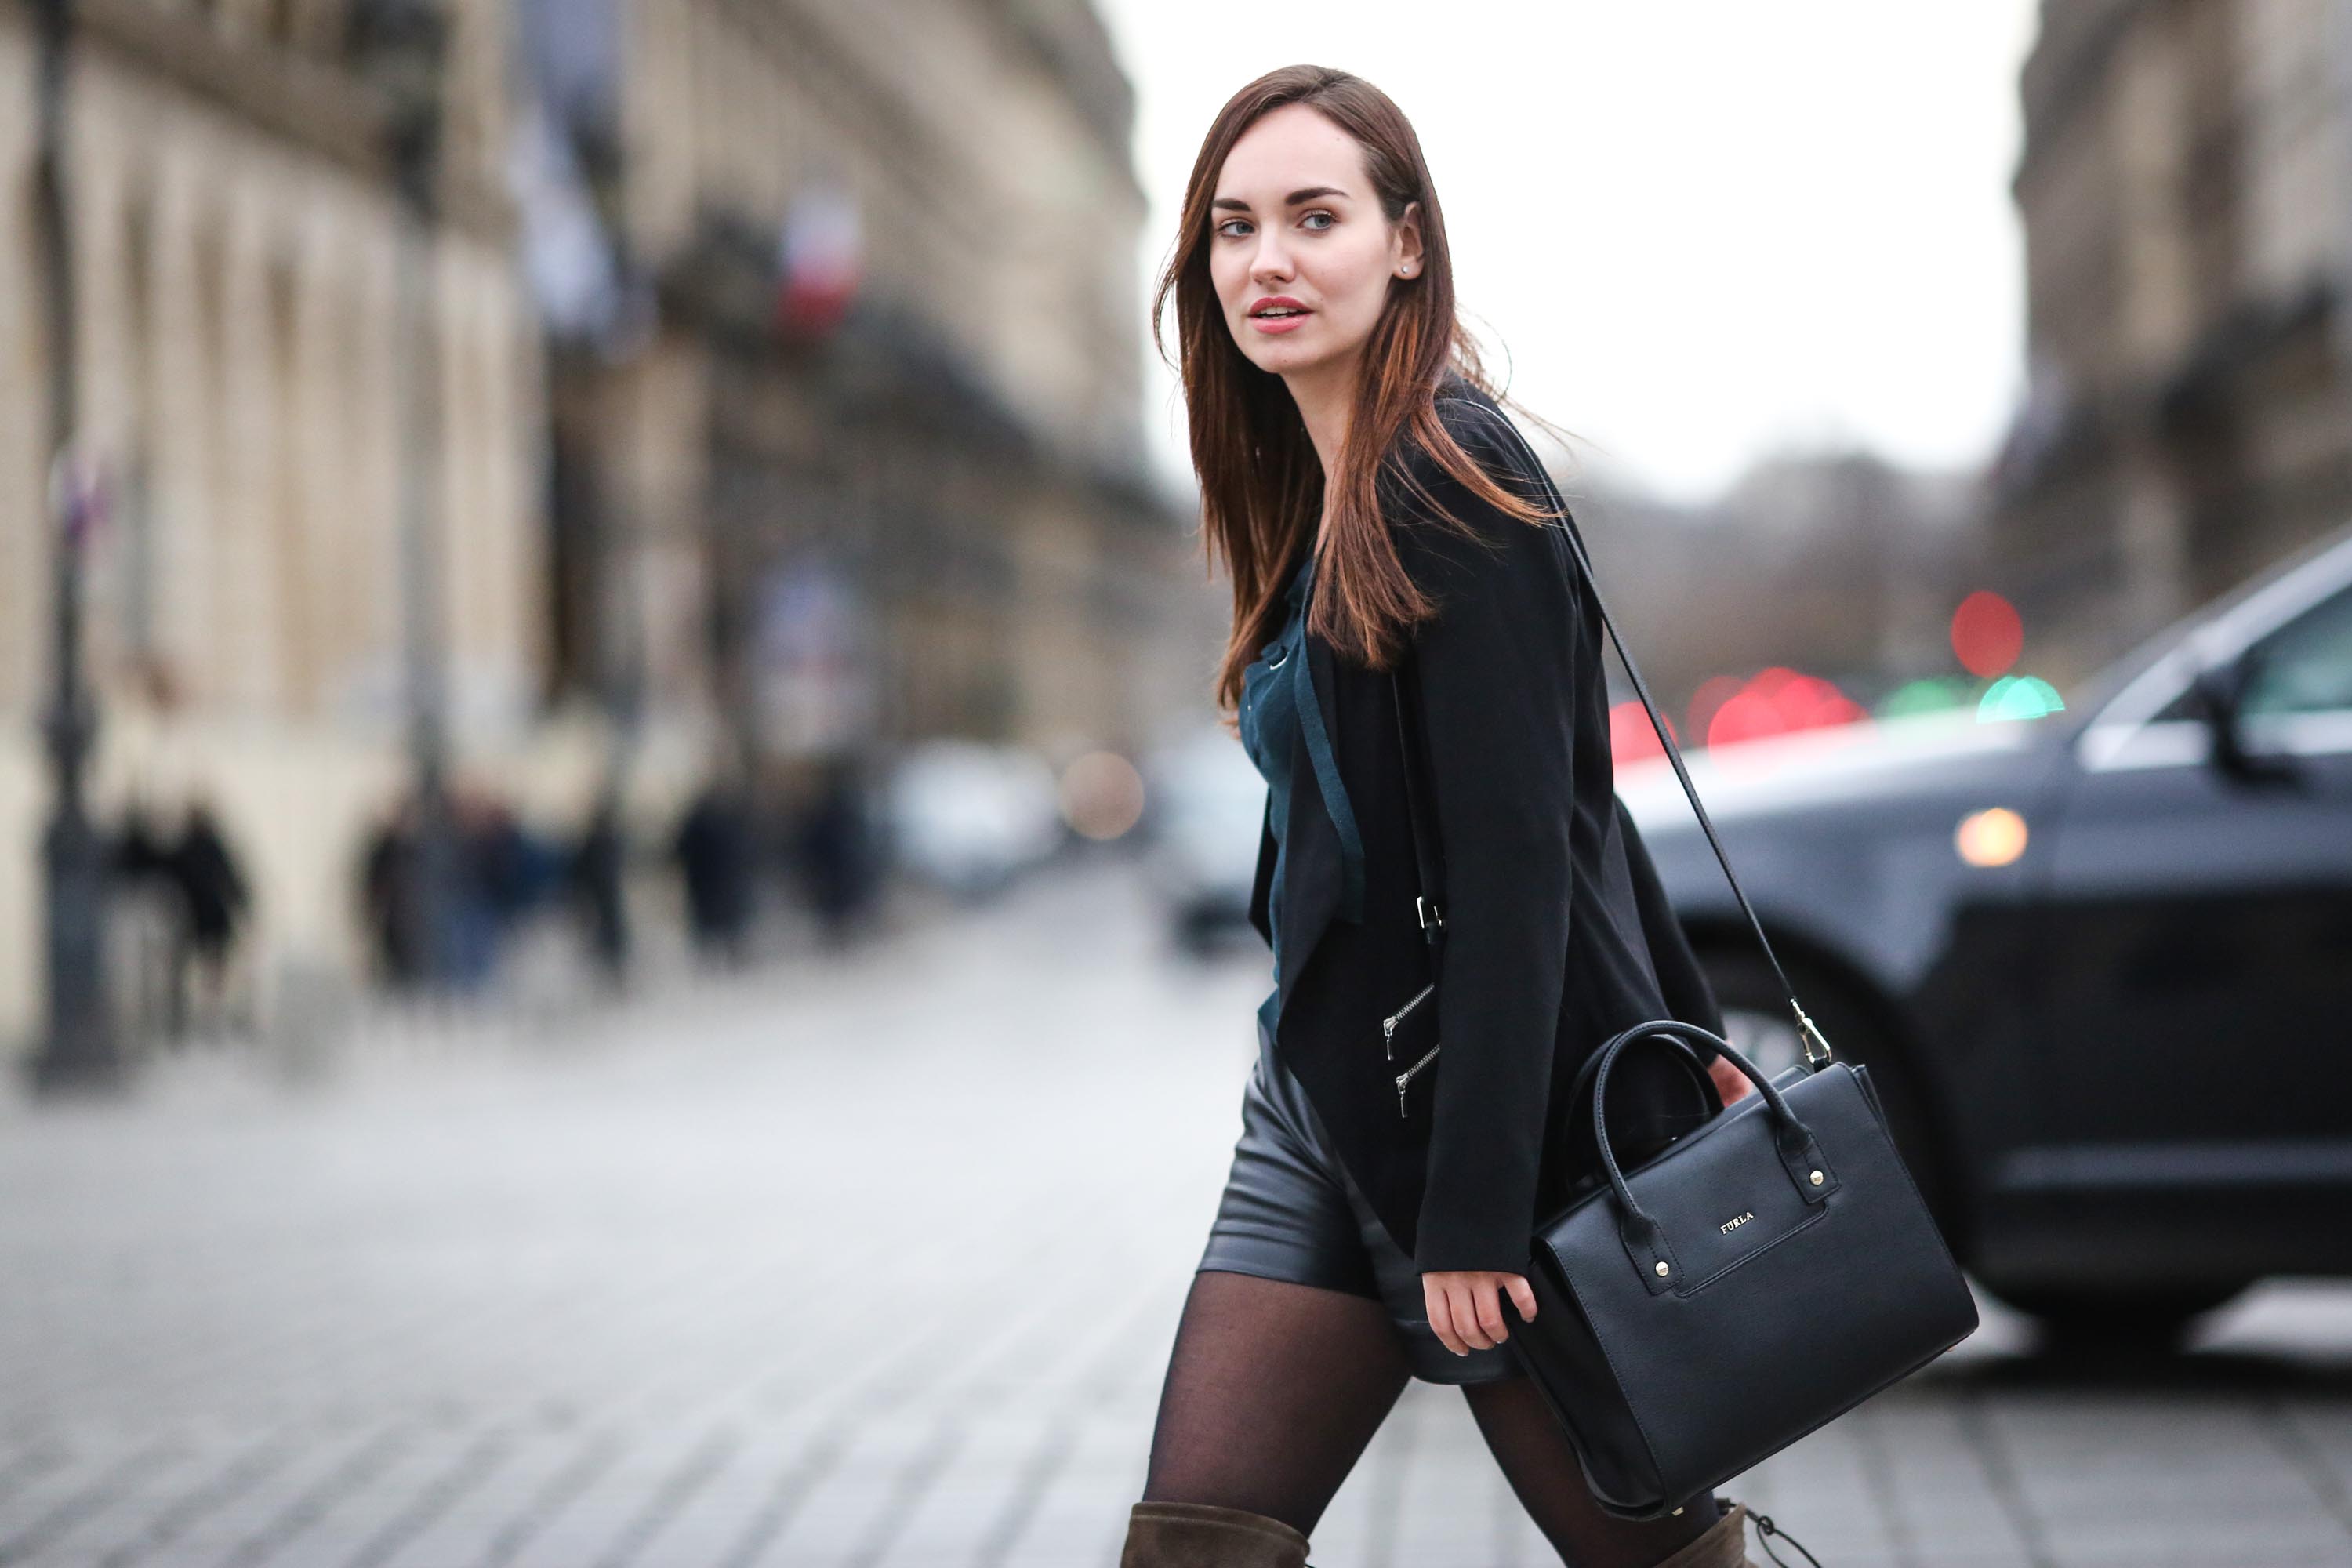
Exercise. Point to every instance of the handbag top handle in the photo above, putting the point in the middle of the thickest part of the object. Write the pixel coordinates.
(1425, 858)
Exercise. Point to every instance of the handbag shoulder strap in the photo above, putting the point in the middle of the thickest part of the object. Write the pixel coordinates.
(1427, 860)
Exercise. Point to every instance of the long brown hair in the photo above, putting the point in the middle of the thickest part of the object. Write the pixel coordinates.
(1262, 485)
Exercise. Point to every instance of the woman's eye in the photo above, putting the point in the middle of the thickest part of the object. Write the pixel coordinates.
(1226, 228)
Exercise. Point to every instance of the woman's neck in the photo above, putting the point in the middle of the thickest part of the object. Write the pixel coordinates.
(1326, 397)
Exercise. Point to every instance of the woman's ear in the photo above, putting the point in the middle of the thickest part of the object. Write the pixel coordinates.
(1408, 242)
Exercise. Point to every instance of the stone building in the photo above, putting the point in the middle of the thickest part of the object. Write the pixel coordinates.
(845, 411)
(2186, 187)
(234, 240)
(787, 407)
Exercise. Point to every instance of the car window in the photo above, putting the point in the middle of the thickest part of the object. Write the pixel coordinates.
(2307, 663)
(2307, 667)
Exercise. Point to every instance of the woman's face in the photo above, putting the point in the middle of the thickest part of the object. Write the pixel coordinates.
(1297, 223)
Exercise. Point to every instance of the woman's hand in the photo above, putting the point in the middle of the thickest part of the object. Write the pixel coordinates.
(1729, 1081)
(1466, 1306)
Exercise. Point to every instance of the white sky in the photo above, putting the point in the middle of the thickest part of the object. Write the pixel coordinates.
(1704, 232)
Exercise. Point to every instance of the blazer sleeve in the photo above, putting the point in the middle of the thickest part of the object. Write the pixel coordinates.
(1498, 670)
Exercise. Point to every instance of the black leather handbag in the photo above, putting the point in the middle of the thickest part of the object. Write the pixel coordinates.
(1753, 1280)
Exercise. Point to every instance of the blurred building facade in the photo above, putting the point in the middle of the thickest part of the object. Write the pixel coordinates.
(846, 377)
(788, 383)
(235, 236)
(2185, 188)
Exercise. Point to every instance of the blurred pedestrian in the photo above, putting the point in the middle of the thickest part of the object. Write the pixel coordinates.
(214, 896)
(505, 871)
(599, 865)
(836, 854)
(146, 904)
(140, 854)
(391, 883)
(717, 858)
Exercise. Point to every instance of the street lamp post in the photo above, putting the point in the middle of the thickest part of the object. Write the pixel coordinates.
(79, 1050)
(400, 46)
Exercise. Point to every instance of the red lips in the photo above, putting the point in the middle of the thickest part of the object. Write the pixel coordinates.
(1271, 302)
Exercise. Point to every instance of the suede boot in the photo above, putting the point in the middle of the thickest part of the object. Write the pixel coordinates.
(1724, 1545)
(1208, 1535)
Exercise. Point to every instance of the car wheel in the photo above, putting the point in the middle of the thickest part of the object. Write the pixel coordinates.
(2142, 1319)
(1757, 1022)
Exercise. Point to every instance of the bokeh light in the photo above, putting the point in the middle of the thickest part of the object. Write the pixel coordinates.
(1632, 737)
(1993, 837)
(1986, 636)
(1778, 700)
(2018, 697)
(1928, 694)
(1712, 693)
(1102, 794)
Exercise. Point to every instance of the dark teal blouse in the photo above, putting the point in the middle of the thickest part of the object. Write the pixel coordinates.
(1279, 717)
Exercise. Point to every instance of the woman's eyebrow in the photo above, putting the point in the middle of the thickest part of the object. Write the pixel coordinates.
(1306, 195)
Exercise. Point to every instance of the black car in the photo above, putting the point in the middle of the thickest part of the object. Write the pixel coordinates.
(2099, 962)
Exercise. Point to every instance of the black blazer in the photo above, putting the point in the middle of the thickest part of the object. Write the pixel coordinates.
(1558, 933)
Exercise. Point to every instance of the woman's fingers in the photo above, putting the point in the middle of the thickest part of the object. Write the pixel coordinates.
(1467, 1315)
(1731, 1083)
(1490, 1313)
(1441, 1315)
(1465, 1311)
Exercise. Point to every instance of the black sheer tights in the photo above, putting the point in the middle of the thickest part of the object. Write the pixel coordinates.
(1273, 1389)
(1272, 1392)
(1541, 1467)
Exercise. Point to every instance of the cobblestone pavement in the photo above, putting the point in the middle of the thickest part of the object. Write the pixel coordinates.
(875, 1261)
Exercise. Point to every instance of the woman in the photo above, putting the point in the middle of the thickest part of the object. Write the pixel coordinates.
(1376, 516)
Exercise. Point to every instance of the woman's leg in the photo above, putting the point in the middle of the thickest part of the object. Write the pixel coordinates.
(1273, 1390)
(1541, 1467)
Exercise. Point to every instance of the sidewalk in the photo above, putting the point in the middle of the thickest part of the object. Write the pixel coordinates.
(875, 1261)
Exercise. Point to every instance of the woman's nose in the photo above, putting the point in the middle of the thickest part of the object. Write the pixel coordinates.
(1272, 260)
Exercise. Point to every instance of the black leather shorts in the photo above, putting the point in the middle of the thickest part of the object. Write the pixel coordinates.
(1290, 1212)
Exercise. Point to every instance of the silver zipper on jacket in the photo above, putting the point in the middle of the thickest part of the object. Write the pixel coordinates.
(1388, 1024)
(1404, 1080)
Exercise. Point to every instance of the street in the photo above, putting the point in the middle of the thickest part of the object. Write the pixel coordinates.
(876, 1260)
